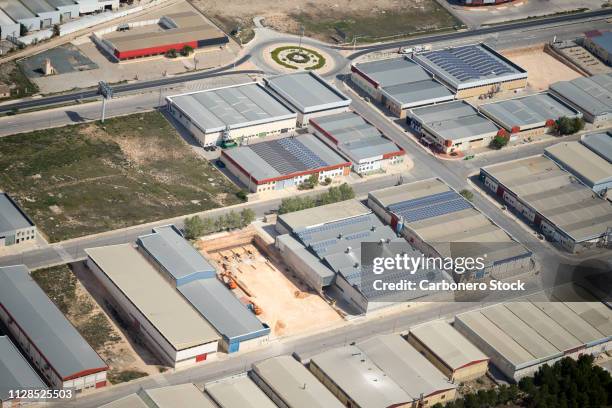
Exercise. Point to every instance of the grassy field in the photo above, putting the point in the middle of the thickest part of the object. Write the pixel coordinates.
(84, 179)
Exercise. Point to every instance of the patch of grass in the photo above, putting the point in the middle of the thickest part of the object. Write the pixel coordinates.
(116, 377)
(59, 283)
(11, 74)
(275, 56)
(376, 25)
(98, 331)
(89, 178)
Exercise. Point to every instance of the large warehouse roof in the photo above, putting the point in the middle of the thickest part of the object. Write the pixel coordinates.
(470, 66)
(447, 344)
(62, 346)
(189, 27)
(15, 372)
(294, 384)
(238, 392)
(234, 106)
(542, 328)
(177, 256)
(222, 309)
(528, 111)
(150, 293)
(308, 92)
(442, 217)
(600, 143)
(355, 137)
(454, 121)
(591, 95)
(556, 195)
(16, 10)
(130, 401)
(582, 162)
(11, 216)
(39, 6)
(404, 81)
(311, 217)
(284, 158)
(177, 396)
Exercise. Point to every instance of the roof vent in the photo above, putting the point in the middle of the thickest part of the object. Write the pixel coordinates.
(348, 250)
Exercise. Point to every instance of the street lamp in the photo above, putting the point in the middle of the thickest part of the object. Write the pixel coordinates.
(301, 35)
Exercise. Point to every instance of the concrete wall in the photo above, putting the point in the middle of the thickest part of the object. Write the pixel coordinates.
(366, 86)
(18, 236)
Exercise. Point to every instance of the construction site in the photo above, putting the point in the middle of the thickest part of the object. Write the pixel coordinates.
(251, 266)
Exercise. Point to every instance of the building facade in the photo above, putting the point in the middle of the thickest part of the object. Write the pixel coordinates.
(15, 226)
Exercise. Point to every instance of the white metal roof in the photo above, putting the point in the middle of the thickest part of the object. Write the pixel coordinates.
(238, 392)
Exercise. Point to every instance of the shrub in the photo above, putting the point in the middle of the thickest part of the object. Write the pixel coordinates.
(567, 126)
(498, 142)
(467, 194)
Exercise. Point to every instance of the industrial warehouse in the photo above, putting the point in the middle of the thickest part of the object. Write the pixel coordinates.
(50, 343)
(238, 392)
(171, 32)
(15, 373)
(520, 337)
(452, 126)
(551, 200)
(449, 351)
(592, 96)
(473, 70)
(174, 396)
(384, 371)
(323, 247)
(530, 115)
(600, 144)
(439, 222)
(15, 226)
(309, 95)
(289, 384)
(283, 163)
(399, 84)
(587, 166)
(363, 144)
(167, 323)
(231, 115)
(196, 279)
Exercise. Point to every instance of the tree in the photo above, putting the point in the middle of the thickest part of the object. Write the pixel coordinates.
(346, 192)
(23, 30)
(171, 53)
(242, 195)
(247, 216)
(567, 126)
(498, 142)
(187, 50)
(194, 227)
(314, 179)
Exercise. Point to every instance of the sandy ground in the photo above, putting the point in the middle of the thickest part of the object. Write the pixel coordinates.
(542, 68)
(288, 307)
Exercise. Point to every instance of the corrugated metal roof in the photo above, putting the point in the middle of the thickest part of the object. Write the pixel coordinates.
(447, 344)
(600, 143)
(284, 157)
(410, 191)
(592, 95)
(39, 6)
(179, 258)
(308, 92)
(527, 111)
(454, 121)
(150, 293)
(235, 106)
(323, 214)
(586, 306)
(177, 396)
(582, 162)
(16, 10)
(294, 384)
(238, 392)
(325, 274)
(63, 347)
(554, 193)
(395, 71)
(412, 94)
(130, 401)
(5, 20)
(222, 309)
(11, 217)
(15, 372)
(469, 65)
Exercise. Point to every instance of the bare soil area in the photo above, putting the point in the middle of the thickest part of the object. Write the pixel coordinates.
(336, 21)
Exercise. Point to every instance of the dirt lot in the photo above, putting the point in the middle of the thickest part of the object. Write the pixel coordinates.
(13, 76)
(288, 307)
(74, 300)
(542, 68)
(88, 178)
(337, 20)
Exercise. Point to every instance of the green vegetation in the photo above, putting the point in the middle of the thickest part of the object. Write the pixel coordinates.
(60, 284)
(186, 51)
(566, 384)
(275, 56)
(11, 74)
(196, 226)
(499, 142)
(88, 178)
(566, 126)
(116, 377)
(376, 24)
(467, 194)
(311, 183)
(332, 195)
(171, 53)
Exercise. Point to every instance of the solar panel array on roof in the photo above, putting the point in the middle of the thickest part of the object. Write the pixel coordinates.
(287, 155)
(430, 206)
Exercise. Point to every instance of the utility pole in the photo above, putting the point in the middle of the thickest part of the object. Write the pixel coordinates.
(301, 35)
(106, 91)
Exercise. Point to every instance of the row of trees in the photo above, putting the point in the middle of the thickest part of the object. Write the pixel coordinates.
(186, 51)
(567, 126)
(196, 226)
(332, 195)
(566, 384)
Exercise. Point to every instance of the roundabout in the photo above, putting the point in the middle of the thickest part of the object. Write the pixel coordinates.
(298, 57)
